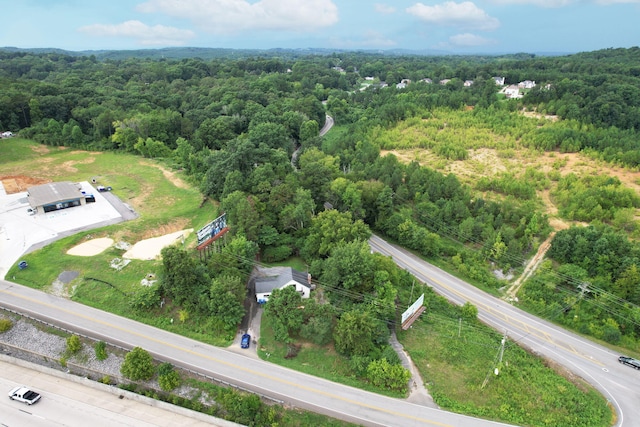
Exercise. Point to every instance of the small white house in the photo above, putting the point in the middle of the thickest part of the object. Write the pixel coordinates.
(512, 91)
(268, 279)
(527, 84)
(499, 81)
(468, 83)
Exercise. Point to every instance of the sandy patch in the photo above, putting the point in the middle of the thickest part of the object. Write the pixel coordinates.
(150, 248)
(92, 247)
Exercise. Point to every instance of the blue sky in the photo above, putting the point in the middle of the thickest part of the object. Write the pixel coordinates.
(456, 26)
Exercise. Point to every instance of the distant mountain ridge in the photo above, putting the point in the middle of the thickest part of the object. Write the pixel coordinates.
(207, 53)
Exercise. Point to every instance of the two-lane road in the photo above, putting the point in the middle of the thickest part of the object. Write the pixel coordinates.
(596, 364)
(304, 391)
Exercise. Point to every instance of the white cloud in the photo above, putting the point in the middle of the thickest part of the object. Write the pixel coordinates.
(228, 16)
(465, 15)
(384, 9)
(541, 3)
(146, 35)
(469, 40)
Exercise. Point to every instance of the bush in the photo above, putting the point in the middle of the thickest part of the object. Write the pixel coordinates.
(138, 365)
(101, 350)
(74, 344)
(168, 378)
(5, 325)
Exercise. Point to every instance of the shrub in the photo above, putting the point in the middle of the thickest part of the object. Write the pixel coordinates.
(138, 365)
(5, 325)
(101, 350)
(74, 344)
(168, 378)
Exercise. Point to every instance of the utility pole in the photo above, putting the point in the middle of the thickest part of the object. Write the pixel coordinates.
(499, 358)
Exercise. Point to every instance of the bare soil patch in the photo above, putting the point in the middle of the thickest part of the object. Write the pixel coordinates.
(19, 183)
(92, 247)
(169, 175)
(70, 166)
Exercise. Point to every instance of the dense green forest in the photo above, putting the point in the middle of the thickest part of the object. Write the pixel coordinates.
(246, 132)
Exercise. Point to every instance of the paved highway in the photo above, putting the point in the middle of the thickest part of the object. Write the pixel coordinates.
(596, 364)
(283, 384)
(68, 401)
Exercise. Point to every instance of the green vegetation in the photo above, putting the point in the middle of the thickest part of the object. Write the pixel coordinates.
(5, 325)
(138, 365)
(457, 355)
(74, 345)
(100, 348)
(231, 127)
(168, 378)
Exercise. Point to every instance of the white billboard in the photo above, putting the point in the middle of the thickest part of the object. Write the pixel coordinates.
(413, 309)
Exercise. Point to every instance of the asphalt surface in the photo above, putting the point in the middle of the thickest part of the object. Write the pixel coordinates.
(233, 367)
(594, 363)
(22, 233)
(71, 401)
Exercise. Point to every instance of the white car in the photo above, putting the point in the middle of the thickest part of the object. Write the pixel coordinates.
(25, 395)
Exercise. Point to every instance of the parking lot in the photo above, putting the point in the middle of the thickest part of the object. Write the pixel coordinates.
(22, 232)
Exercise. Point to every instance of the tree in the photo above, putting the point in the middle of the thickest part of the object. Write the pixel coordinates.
(318, 328)
(355, 333)
(350, 266)
(227, 296)
(183, 278)
(285, 308)
(138, 365)
(298, 214)
(309, 130)
(330, 228)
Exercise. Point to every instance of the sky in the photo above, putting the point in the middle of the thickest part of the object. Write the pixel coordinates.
(448, 26)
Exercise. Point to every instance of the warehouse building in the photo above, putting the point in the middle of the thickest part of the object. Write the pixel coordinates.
(56, 196)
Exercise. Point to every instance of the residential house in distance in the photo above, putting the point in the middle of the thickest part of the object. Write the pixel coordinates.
(265, 280)
(499, 81)
(527, 84)
(403, 84)
(512, 92)
(468, 83)
(426, 80)
(444, 81)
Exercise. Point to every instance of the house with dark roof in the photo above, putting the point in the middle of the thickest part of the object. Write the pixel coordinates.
(55, 196)
(267, 279)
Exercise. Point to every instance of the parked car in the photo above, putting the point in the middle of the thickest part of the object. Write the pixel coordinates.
(629, 361)
(25, 395)
(102, 188)
(245, 341)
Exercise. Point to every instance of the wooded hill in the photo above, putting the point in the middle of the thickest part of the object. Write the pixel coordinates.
(232, 125)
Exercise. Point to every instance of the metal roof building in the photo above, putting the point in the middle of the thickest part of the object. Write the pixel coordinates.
(55, 196)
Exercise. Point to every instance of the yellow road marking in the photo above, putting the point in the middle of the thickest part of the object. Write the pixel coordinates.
(232, 365)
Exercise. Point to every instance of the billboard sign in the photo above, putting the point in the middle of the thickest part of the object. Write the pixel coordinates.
(413, 309)
(212, 229)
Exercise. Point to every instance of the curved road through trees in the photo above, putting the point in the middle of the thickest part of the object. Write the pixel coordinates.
(594, 363)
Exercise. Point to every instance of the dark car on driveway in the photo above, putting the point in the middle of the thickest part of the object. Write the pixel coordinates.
(629, 361)
(245, 341)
